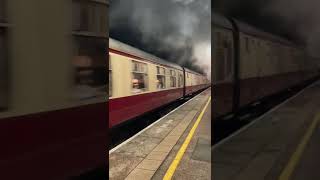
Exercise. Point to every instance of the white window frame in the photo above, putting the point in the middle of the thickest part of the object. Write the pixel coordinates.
(90, 35)
(163, 75)
(173, 74)
(146, 76)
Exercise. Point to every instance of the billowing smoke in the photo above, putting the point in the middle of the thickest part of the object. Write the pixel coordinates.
(297, 20)
(176, 30)
(305, 15)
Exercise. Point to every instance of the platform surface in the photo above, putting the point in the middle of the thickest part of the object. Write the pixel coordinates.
(196, 162)
(309, 165)
(266, 149)
(149, 154)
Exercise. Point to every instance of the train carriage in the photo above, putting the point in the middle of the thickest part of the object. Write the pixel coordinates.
(249, 65)
(53, 119)
(194, 81)
(140, 82)
(223, 65)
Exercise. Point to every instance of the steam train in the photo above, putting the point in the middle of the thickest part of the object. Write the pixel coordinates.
(249, 65)
(140, 82)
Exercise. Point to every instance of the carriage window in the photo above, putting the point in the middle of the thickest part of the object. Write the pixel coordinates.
(89, 49)
(90, 65)
(161, 78)
(2, 11)
(139, 77)
(3, 58)
(90, 16)
(110, 77)
(173, 78)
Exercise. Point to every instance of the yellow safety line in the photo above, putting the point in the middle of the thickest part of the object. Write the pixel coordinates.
(184, 146)
(287, 172)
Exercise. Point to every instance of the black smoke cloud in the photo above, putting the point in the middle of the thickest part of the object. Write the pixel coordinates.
(176, 30)
(296, 20)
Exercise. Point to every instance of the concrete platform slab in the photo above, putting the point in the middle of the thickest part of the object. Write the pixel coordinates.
(202, 152)
(121, 164)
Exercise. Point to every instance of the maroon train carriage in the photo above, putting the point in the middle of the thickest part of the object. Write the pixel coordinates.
(140, 82)
(249, 64)
(53, 115)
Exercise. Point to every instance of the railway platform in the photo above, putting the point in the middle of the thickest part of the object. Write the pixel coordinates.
(177, 146)
(282, 144)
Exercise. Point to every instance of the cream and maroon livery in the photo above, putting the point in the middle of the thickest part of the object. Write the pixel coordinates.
(49, 129)
(124, 104)
(249, 65)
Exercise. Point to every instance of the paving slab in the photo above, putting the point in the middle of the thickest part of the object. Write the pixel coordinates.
(121, 164)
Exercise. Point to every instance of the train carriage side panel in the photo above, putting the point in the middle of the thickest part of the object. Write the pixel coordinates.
(248, 71)
(264, 64)
(54, 112)
(136, 87)
(223, 65)
(266, 67)
(193, 81)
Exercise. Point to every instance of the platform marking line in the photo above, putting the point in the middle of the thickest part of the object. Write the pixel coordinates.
(261, 117)
(154, 123)
(172, 168)
(296, 156)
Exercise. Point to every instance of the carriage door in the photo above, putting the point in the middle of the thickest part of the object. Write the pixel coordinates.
(223, 88)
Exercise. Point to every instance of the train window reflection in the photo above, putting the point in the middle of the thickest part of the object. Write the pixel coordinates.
(161, 78)
(161, 82)
(90, 62)
(139, 77)
(173, 79)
